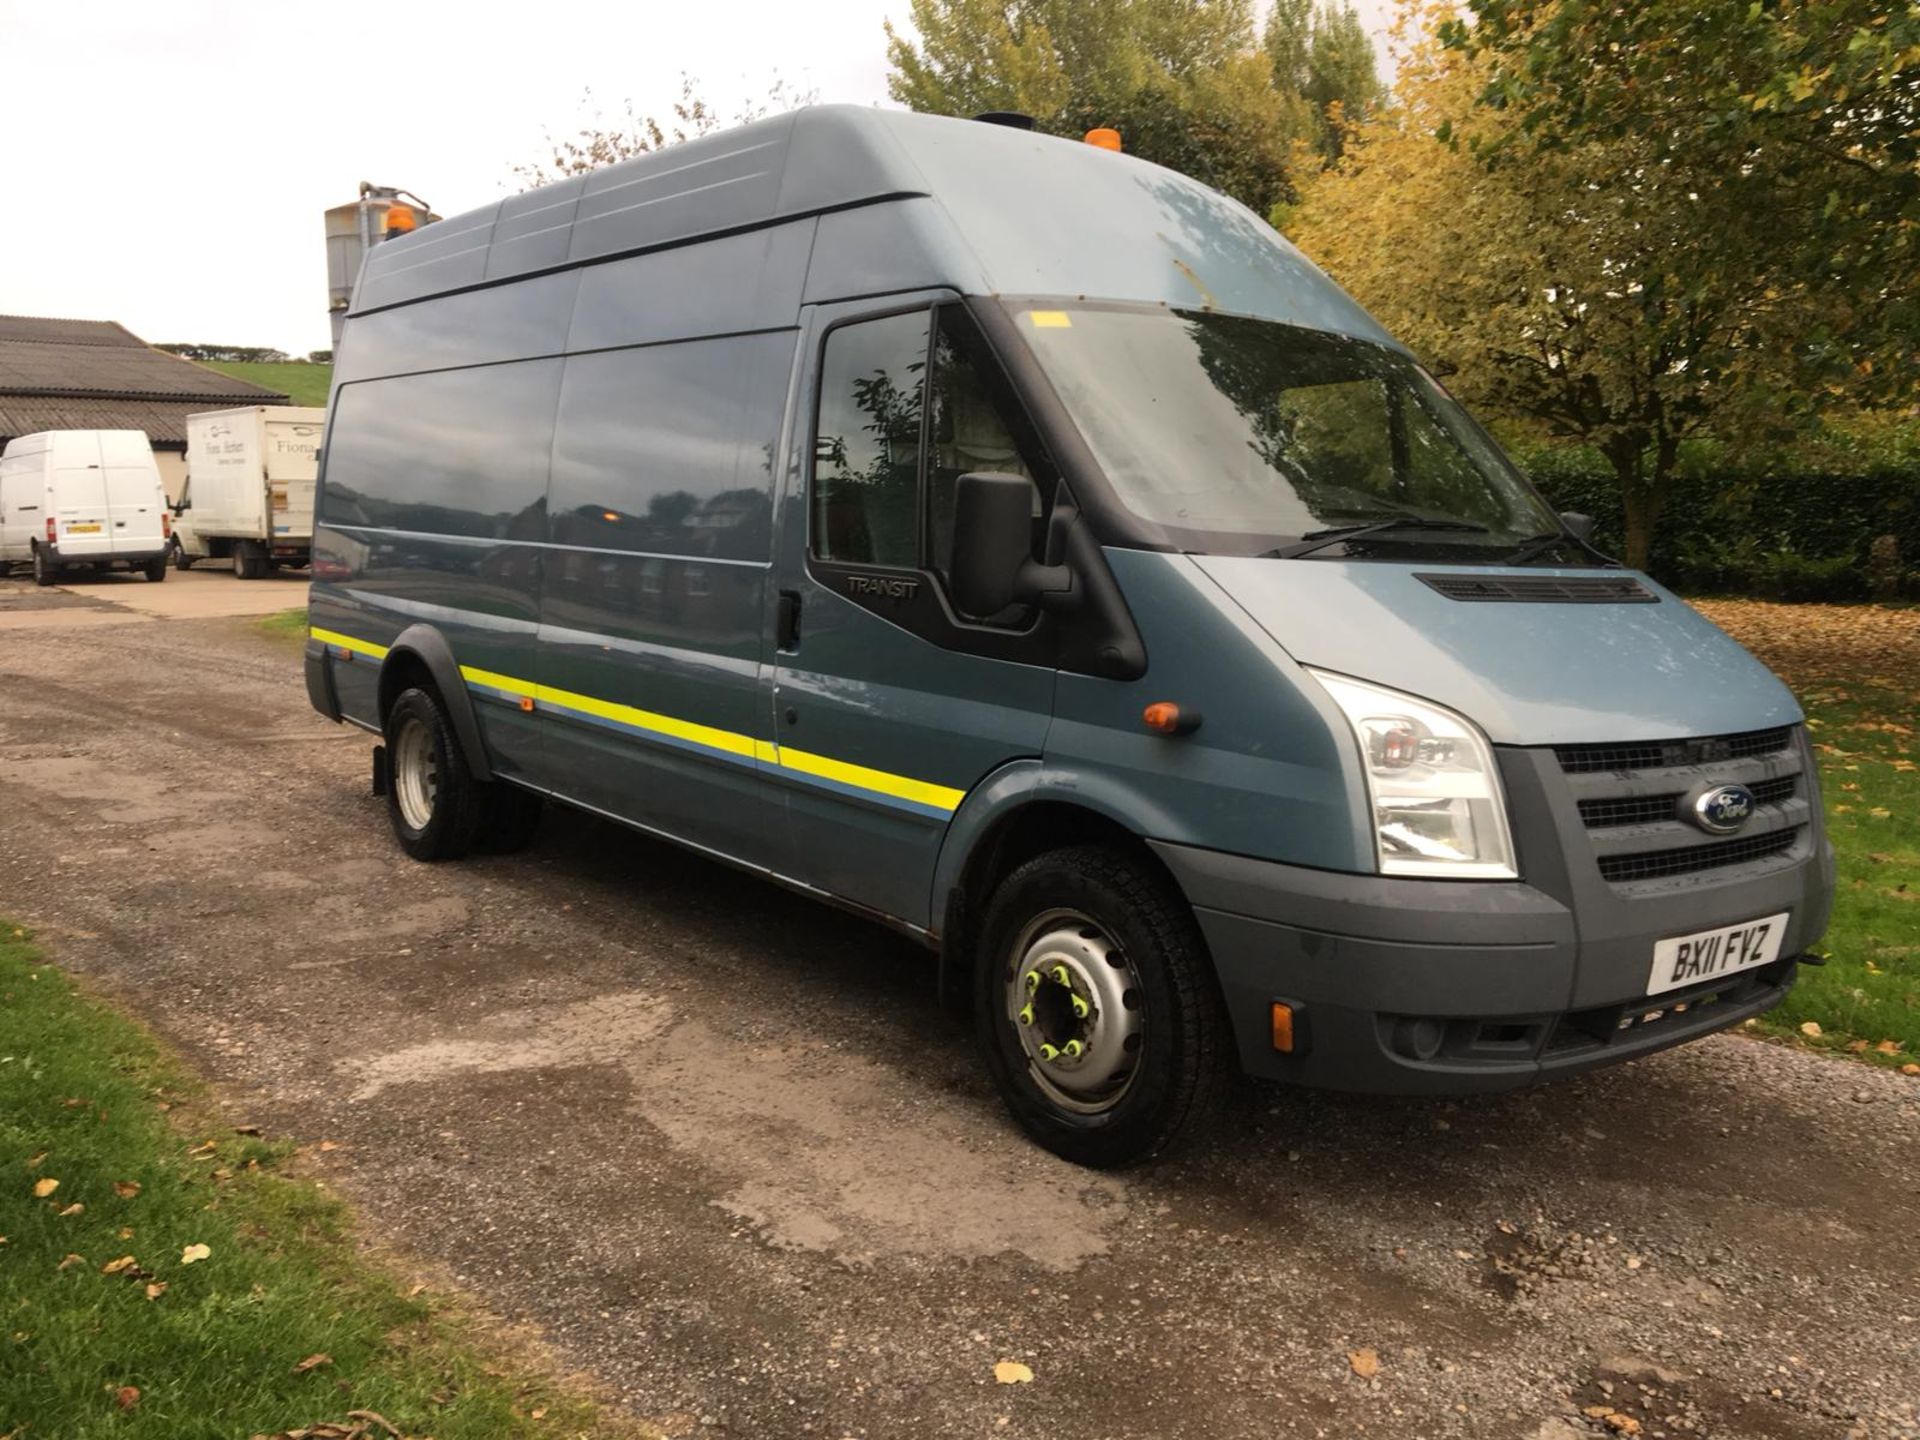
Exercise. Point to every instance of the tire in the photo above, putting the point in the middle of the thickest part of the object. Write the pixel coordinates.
(509, 816)
(156, 570)
(433, 801)
(249, 562)
(181, 560)
(45, 572)
(1156, 1058)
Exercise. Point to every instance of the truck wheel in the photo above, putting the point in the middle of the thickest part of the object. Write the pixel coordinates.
(45, 572)
(156, 569)
(1098, 1010)
(248, 562)
(181, 560)
(432, 798)
(508, 817)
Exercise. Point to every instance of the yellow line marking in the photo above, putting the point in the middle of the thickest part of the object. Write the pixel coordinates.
(347, 642)
(940, 797)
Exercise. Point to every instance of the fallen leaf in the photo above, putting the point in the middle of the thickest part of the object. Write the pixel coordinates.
(537, 1414)
(126, 1189)
(1856, 1047)
(1365, 1363)
(326, 1145)
(195, 1252)
(73, 1209)
(246, 1129)
(44, 1188)
(156, 1289)
(312, 1362)
(70, 1262)
(34, 1161)
(127, 1396)
(1623, 1424)
(114, 1267)
(1811, 1027)
(1910, 1069)
(1012, 1372)
(1880, 812)
(1888, 1047)
(201, 1151)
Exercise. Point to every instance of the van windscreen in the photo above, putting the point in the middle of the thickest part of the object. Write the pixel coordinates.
(1230, 435)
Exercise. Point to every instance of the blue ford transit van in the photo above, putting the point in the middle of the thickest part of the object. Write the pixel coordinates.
(1024, 546)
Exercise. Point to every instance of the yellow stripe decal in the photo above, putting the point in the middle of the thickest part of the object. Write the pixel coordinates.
(347, 642)
(919, 792)
(922, 796)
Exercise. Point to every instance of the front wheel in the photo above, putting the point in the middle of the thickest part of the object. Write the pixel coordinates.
(1098, 1010)
(181, 560)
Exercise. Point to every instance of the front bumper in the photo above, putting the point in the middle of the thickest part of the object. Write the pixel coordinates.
(1449, 987)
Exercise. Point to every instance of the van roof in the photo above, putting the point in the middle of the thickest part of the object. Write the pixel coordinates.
(1013, 212)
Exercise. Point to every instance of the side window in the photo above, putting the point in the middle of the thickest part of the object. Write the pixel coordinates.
(866, 455)
(968, 428)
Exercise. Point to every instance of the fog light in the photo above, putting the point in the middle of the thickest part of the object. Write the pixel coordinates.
(1418, 1039)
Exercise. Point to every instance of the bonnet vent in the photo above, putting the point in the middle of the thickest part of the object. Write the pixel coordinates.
(1543, 589)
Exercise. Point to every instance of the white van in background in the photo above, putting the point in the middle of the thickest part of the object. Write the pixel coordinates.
(83, 499)
(249, 492)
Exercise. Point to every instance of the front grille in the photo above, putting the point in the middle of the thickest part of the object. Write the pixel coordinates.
(1651, 809)
(1651, 865)
(1630, 798)
(1543, 589)
(1661, 754)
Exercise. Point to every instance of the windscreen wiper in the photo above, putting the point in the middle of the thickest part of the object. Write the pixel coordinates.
(1319, 539)
(1534, 546)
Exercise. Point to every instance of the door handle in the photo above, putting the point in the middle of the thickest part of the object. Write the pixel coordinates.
(787, 621)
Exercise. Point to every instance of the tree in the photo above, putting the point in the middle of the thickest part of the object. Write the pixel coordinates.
(1593, 288)
(1324, 54)
(601, 141)
(1183, 81)
(1810, 106)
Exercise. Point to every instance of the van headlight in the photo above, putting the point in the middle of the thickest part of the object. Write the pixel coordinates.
(1437, 805)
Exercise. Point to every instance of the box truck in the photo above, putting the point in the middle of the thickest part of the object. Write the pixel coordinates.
(249, 491)
(82, 500)
(1026, 547)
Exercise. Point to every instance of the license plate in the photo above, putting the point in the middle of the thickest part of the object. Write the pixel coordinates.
(1695, 959)
(83, 529)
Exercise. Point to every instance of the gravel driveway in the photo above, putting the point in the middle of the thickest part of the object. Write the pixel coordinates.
(722, 1146)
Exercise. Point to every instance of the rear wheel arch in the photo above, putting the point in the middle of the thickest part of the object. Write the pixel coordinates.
(421, 658)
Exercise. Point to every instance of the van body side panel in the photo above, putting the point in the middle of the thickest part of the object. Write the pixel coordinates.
(1263, 775)
(438, 482)
(652, 686)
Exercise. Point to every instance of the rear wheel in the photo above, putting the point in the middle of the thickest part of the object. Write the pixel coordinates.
(45, 572)
(1097, 1008)
(433, 801)
(249, 560)
(156, 569)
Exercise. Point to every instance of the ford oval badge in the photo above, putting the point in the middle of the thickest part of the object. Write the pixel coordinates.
(1722, 810)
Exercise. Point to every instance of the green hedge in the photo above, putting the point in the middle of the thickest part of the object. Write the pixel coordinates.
(1794, 532)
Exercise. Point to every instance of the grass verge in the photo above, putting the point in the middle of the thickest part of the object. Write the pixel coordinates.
(1856, 670)
(283, 625)
(163, 1275)
(301, 382)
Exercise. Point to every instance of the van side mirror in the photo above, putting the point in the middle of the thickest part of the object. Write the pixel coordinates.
(1579, 526)
(993, 564)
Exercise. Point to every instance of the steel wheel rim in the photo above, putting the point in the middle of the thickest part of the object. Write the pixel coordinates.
(416, 773)
(1076, 1004)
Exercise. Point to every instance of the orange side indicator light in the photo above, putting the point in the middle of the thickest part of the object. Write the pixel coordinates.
(1283, 1027)
(1163, 717)
(526, 703)
(1104, 138)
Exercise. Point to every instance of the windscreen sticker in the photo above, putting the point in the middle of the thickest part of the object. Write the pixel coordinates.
(1050, 319)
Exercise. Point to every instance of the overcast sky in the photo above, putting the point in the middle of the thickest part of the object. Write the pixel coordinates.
(168, 162)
